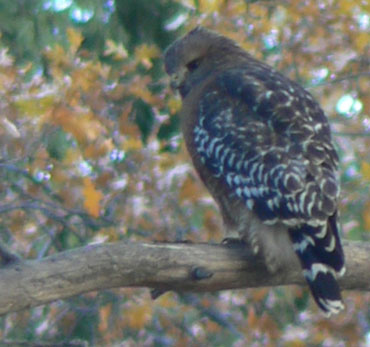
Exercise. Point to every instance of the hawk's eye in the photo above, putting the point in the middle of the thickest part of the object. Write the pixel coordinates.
(193, 65)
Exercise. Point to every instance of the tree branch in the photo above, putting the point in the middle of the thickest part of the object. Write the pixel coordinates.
(168, 266)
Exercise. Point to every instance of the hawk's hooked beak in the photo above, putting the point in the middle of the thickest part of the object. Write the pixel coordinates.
(174, 82)
(177, 79)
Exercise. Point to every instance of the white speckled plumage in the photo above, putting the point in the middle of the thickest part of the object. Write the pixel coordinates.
(262, 146)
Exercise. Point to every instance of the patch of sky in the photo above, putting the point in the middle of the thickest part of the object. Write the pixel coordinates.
(85, 168)
(348, 106)
(80, 15)
(117, 155)
(320, 75)
(271, 40)
(176, 21)
(57, 5)
(363, 21)
(41, 176)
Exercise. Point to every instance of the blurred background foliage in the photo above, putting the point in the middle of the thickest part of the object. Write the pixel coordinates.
(91, 152)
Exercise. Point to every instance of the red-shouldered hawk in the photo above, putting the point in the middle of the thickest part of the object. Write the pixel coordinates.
(262, 146)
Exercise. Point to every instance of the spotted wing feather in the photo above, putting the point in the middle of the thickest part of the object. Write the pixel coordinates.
(269, 142)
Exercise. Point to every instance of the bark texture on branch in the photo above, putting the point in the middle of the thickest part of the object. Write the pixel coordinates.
(164, 266)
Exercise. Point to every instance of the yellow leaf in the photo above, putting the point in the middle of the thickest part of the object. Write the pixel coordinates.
(362, 40)
(138, 88)
(132, 144)
(71, 157)
(75, 39)
(365, 170)
(92, 197)
(145, 53)
(166, 300)
(209, 6)
(35, 106)
(118, 51)
(295, 343)
(139, 315)
(345, 6)
(174, 104)
(57, 55)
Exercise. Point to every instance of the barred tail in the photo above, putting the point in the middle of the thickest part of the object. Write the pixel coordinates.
(321, 255)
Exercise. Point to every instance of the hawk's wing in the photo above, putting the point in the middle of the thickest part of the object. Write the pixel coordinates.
(270, 145)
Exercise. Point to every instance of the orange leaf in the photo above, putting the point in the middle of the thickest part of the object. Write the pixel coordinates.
(98, 150)
(105, 178)
(104, 314)
(57, 55)
(190, 190)
(92, 197)
(59, 176)
(252, 318)
(259, 294)
(84, 127)
(138, 87)
(126, 126)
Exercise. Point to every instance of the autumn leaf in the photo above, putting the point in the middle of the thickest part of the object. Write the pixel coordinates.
(117, 51)
(138, 87)
(209, 6)
(104, 314)
(366, 216)
(365, 170)
(92, 197)
(58, 59)
(75, 39)
(145, 53)
(71, 157)
(83, 126)
(35, 105)
(166, 300)
(94, 151)
(132, 144)
(190, 190)
(126, 125)
(174, 105)
(362, 40)
(139, 315)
